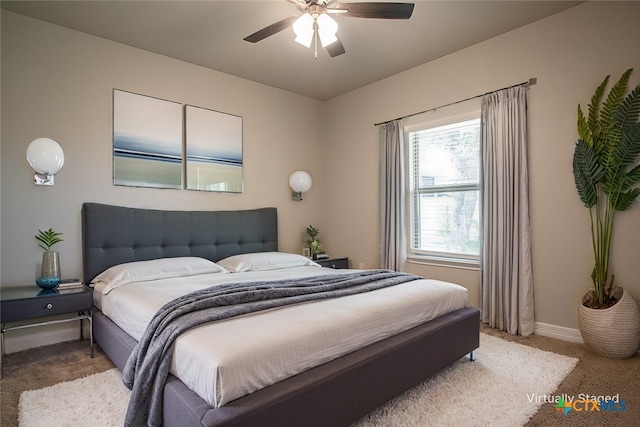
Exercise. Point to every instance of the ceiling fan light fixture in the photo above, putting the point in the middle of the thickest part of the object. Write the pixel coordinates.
(327, 29)
(303, 27)
(316, 26)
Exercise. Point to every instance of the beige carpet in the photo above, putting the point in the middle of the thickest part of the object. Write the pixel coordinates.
(45, 366)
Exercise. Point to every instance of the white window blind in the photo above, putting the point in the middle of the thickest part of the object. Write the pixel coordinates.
(445, 190)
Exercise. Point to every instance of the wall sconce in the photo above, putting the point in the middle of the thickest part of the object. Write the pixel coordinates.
(300, 182)
(46, 158)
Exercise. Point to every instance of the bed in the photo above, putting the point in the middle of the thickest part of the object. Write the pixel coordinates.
(334, 393)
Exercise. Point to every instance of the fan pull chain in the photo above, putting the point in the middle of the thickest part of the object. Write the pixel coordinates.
(315, 38)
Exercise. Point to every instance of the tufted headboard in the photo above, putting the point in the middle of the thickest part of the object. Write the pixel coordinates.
(114, 235)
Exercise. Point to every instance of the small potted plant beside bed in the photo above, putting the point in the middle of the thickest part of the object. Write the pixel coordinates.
(315, 247)
(50, 270)
(607, 174)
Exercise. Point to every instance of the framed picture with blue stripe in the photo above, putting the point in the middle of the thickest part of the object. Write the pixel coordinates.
(147, 141)
(213, 150)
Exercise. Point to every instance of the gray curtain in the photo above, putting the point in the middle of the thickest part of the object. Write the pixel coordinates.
(392, 196)
(507, 279)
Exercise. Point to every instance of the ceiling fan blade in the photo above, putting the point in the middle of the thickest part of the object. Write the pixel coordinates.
(336, 48)
(302, 5)
(271, 29)
(377, 10)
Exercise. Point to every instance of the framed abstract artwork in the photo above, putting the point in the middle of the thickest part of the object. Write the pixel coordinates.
(147, 141)
(213, 150)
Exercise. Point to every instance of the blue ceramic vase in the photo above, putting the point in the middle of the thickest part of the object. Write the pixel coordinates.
(48, 282)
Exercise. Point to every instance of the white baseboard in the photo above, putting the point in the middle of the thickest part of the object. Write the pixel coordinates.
(557, 332)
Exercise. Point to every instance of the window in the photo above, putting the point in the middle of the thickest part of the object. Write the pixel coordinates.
(444, 171)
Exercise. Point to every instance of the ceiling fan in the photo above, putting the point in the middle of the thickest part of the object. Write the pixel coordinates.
(315, 23)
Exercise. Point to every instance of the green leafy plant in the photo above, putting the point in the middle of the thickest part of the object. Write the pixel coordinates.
(606, 171)
(48, 238)
(313, 242)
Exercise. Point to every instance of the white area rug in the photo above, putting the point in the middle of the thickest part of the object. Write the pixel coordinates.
(498, 389)
(98, 400)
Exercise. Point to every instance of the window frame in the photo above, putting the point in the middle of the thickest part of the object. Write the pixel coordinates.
(420, 256)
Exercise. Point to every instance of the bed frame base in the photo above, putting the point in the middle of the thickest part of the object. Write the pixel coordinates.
(337, 393)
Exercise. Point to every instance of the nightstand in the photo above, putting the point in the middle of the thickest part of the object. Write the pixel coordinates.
(29, 305)
(334, 262)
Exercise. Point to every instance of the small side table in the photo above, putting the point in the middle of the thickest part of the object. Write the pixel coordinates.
(334, 262)
(28, 303)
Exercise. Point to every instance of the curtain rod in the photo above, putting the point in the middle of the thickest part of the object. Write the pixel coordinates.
(532, 81)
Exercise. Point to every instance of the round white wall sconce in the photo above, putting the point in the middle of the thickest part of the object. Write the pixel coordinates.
(300, 182)
(46, 158)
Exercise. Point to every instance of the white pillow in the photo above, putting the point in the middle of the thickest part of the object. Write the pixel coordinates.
(258, 261)
(162, 268)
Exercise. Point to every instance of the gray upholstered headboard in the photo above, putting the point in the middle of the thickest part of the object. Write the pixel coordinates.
(114, 235)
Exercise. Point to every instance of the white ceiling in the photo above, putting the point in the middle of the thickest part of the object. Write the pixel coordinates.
(210, 34)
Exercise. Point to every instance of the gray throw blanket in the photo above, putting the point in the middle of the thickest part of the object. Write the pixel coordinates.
(147, 368)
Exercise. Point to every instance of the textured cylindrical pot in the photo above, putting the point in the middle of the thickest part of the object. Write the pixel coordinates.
(612, 332)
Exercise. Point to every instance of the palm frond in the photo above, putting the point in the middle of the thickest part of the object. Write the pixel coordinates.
(587, 172)
(48, 238)
(610, 128)
(629, 111)
(594, 108)
(626, 199)
(632, 178)
(626, 151)
(584, 131)
(614, 99)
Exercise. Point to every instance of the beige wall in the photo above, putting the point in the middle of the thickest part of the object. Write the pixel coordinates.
(569, 54)
(58, 83)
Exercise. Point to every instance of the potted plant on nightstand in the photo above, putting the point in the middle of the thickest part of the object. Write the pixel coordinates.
(607, 173)
(315, 247)
(50, 270)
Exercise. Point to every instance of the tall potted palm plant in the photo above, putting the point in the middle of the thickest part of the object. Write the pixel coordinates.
(607, 174)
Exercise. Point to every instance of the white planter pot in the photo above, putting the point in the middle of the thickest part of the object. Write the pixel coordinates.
(612, 332)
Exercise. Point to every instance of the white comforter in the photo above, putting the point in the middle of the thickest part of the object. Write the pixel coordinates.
(226, 360)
